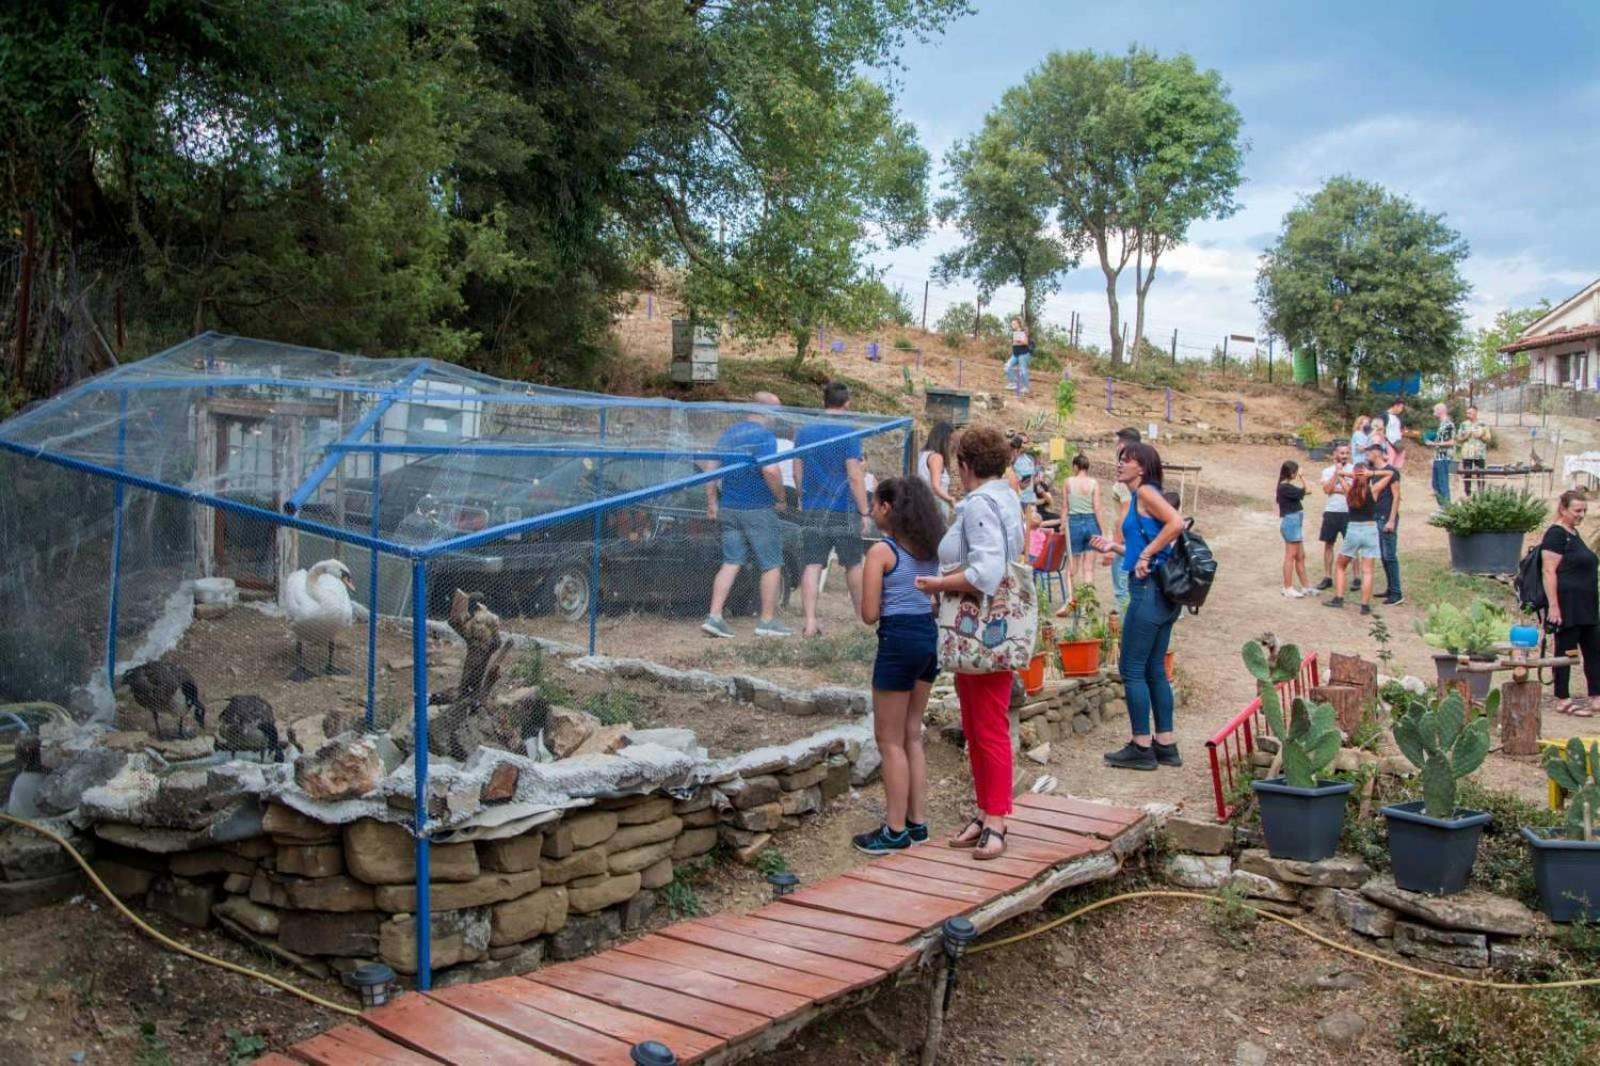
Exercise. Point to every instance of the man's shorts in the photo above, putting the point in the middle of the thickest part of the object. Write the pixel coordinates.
(1361, 541)
(1333, 525)
(755, 531)
(825, 531)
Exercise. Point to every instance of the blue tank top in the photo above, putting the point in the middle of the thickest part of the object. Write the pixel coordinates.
(1138, 531)
(900, 592)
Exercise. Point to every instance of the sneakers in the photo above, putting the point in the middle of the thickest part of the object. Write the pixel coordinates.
(1366, 608)
(1356, 584)
(917, 831)
(1336, 601)
(1166, 754)
(774, 627)
(1325, 584)
(1131, 757)
(883, 840)
(715, 626)
(1308, 593)
(1394, 599)
(1292, 594)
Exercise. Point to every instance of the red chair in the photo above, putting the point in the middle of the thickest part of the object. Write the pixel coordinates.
(1052, 562)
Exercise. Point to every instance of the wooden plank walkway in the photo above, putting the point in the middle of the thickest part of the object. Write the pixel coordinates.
(726, 986)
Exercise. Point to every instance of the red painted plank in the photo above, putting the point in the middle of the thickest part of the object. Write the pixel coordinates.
(1017, 826)
(851, 973)
(1071, 823)
(1104, 812)
(848, 896)
(856, 949)
(488, 1003)
(698, 983)
(272, 1058)
(1049, 851)
(625, 1025)
(874, 874)
(972, 872)
(810, 918)
(736, 967)
(1010, 864)
(450, 1036)
(352, 1045)
(726, 1022)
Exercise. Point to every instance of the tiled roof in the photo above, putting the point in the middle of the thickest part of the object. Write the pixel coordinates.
(1545, 340)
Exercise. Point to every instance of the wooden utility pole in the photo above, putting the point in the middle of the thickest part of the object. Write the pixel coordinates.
(925, 307)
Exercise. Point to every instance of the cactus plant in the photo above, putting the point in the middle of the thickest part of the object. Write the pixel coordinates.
(1309, 740)
(1447, 743)
(1578, 773)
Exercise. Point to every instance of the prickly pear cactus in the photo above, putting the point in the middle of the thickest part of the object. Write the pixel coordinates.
(1578, 773)
(1446, 744)
(1310, 738)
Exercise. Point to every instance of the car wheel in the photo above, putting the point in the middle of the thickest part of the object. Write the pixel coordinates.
(570, 594)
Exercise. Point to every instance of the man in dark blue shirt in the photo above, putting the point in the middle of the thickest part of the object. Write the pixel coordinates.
(746, 503)
(1388, 512)
(833, 503)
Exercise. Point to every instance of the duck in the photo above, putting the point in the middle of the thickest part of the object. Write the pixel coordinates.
(317, 603)
(248, 724)
(161, 686)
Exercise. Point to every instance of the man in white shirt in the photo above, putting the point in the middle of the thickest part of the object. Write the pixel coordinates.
(1335, 513)
(1394, 433)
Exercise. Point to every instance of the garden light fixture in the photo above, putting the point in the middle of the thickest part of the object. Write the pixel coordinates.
(375, 982)
(782, 883)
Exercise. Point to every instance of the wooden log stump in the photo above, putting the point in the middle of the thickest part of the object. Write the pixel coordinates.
(1347, 703)
(1353, 670)
(1459, 686)
(1519, 717)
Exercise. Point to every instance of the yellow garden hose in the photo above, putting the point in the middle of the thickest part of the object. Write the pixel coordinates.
(167, 941)
(1281, 920)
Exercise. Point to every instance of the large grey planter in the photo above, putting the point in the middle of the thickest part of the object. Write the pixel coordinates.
(1567, 873)
(1486, 553)
(1477, 684)
(1432, 855)
(1301, 823)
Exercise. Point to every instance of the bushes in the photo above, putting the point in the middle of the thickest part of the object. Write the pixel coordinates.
(1449, 1026)
(1492, 511)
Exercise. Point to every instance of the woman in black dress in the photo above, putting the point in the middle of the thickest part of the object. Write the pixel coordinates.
(1571, 572)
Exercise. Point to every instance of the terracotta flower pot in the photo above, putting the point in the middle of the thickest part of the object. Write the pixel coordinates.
(1033, 675)
(1079, 658)
(1170, 656)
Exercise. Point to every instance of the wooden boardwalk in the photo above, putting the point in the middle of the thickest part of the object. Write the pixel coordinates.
(723, 987)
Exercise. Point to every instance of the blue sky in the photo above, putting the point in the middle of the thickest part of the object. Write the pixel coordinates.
(1487, 112)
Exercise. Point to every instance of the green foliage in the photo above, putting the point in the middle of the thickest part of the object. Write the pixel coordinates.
(1502, 865)
(1379, 632)
(680, 897)
(153, 1050)
(614, 707)
(1230, 915)
(1577, 771)
(961, 320)
(903, 344)
(1367, 281)
(244, 1047)
(1446, 745)
(1478, 352)
(1311, 435)
(1445, 1025)
(1474, 631)
(1492, 511)
(853, 645)
(1066, 398)
(1310, 738)
(770, 861)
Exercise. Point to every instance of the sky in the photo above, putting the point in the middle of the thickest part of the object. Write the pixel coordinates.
(1486, 112)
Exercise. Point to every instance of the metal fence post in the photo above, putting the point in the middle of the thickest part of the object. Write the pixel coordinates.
(419, 745)
(1108, 395)
(117, 497)
(1169, 404)
(372, 583)
(599, 533)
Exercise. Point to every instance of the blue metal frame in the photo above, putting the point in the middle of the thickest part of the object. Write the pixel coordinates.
(117, 492)
(357, 431)
(419, 756)
(372, 591)
(594, 560)
(537, 450)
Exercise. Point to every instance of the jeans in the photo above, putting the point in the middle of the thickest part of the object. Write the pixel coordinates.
(1017, 370)
(1389, 545)
(1119, 585)
(1146, 631)
(1441, 481)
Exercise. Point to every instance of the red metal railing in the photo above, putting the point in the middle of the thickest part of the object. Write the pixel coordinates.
(1231, 748)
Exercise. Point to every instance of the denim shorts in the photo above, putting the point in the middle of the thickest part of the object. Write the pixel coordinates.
(1292, 526)
(838, 531)
(908, 652)
(1080, 527)
(751, 532)
(1361, 541)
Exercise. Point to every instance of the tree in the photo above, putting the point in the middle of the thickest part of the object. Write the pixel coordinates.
(1000, 201)
(1137, 148)
(1366, 280)
(1479, 355)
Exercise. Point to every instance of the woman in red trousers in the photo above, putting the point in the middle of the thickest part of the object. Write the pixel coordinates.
(987, 532)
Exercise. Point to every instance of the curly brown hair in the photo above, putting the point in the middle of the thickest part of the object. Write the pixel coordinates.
(985, 451)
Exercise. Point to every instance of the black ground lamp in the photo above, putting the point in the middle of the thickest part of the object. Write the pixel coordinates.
(375, 982)
(782, 883)
(956, 933)
(652, 1053)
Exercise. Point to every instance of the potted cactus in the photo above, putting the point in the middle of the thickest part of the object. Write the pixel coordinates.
(1432, 845)
(1087, 637)
(1566, 862)
(1472, 632)
(1302, 815)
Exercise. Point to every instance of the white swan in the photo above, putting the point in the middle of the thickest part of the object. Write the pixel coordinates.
(317, 603)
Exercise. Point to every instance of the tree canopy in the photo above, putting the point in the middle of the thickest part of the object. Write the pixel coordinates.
(1368, 281)
(1479, 353)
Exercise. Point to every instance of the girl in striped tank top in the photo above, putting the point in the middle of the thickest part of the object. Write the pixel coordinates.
(908, 657)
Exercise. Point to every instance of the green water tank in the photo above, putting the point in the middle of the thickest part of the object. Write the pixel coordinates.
(1305, 367)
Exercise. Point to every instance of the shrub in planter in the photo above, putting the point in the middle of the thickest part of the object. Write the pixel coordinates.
(1566, 862)
(1432, 844)
(1302, 815)
(1473, 632)
(1087, 637)
(1486, 529)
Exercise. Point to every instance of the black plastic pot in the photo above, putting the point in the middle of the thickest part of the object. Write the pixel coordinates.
(1301, 823)
(1319, 451)
(1432, 855)
(1477, 684)
(1486, 553)
(1567, 873)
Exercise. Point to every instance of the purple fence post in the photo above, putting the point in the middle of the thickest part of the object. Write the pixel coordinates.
(1108, 395)
(919, 358)
(649, 305)
(960, 364)
(1169, 404)
(1238, 410)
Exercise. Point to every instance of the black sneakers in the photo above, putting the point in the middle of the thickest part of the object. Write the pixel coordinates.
(1325, 584)
(882, 840)
(1132, 757)
(1166, 754)
(1333, 601)
(1394, 599)
(918, 831)
(1366, 608)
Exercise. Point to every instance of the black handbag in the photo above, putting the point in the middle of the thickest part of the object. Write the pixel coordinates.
(1185, 577)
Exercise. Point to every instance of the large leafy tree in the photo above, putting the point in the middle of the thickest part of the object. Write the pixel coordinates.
(1002, 202)
(1138, 149)
(1368, 281)
(1479, 352)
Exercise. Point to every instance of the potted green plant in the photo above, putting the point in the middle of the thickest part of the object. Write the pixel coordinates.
(1086, 636)
(1473, 633)
(1486, 529)
(1432, 844)
(1566, 861)
(1314, 441)
(1302, 814)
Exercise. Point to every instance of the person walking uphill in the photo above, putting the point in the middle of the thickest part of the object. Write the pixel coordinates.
(1444, 453)
(745, 503)
(833, 503)
(1148, 531)
(973, 556)
(1570, 572)
(908, 654)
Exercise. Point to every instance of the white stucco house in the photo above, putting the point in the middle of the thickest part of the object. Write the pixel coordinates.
(1564, 346)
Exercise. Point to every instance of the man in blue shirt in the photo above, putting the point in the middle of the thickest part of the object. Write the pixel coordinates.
(833, 503)
(746, 503)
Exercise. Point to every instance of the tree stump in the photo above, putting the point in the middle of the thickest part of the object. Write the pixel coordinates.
(1347, 703)
(1459, 686)
(1353, 670)
(1519, 717)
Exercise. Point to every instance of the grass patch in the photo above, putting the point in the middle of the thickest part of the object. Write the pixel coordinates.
(770, 861)
(855, 645)
(1446, 1026)
(1431, 583)
(1230, 917)
(680, 897)
(615, 708)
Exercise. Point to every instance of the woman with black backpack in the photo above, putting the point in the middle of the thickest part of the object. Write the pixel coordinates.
(1570, 572)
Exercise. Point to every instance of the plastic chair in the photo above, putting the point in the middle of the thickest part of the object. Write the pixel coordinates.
(1052, 563)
